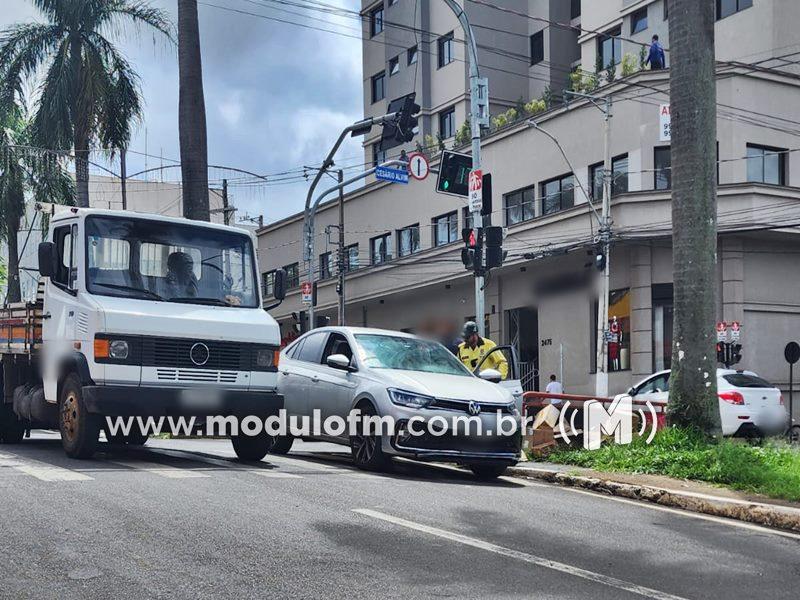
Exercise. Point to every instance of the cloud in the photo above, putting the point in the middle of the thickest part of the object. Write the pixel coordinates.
(277, 95)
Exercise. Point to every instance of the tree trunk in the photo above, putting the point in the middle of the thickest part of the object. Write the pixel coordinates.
(693, 384)
(14, 292)
(192, 115)
(81, 143)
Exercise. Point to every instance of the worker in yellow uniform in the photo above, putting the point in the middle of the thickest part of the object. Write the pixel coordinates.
(472, 350)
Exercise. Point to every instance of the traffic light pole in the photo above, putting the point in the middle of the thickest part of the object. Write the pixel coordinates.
(477, 91)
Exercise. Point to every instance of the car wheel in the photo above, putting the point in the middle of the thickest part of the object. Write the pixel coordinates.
(252, 447)
(794, 434)
(80, 430)
(487, 472)
(12, 430)
(367, 449)
(282, 444)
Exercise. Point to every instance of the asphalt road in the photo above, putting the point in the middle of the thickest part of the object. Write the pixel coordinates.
(182, 519)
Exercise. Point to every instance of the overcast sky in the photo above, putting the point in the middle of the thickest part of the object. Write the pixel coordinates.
(277, 95)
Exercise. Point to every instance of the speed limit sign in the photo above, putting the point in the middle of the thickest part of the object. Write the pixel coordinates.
(418, 166)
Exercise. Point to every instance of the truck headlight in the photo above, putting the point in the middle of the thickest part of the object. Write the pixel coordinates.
(409, 399)
(266, 359)
(118, 349)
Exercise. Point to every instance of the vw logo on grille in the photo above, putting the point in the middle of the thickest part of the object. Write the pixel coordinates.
(474, 408)
(199, 354)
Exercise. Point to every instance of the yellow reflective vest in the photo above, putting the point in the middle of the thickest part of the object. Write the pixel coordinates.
(471, 357)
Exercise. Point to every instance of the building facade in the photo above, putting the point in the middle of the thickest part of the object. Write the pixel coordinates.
(403, 243)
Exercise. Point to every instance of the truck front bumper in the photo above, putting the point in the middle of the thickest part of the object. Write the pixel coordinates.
(124, 401)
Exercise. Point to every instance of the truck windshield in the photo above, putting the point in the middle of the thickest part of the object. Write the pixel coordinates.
(158, 260)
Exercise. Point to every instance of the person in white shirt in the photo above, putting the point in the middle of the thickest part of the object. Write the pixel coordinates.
(554, 387)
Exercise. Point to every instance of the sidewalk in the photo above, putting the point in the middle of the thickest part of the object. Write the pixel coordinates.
(687, 495)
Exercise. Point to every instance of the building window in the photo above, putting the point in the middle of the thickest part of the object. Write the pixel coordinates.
(445, 45)
(520, 205)
(392, 2)
(537, 47)
(380, 248)
(378, 155)
(292, 275)
(726, 8)
(408, 240)
(639, 20)
(662, 325)
(445, 229)
(666, 9)
(394, 66)
(412, 55)
(447, 123)
(765, 165)
(609, 47)
(378, 87)
(467, 216)
(575, 9)
(325, 265)
(662, 168)
(268, 284)
(351, 257)
(376, 21)
(558, 194)
(619, 178)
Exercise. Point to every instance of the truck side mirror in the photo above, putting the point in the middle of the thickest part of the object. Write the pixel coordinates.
(279, 284)
(47, 259)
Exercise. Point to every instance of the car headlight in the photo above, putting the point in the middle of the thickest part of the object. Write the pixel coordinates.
(409, 399)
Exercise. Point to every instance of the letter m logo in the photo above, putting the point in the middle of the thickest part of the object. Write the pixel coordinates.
(618, 420)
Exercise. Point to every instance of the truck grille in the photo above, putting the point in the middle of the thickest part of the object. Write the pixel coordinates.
(178, 354)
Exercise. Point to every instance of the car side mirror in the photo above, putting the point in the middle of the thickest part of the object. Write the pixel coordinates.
(339, 361)
(279, 285)
(47, 259)
(492, 375)
(631, 392)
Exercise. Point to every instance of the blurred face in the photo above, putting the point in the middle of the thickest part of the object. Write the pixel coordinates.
(473, 339)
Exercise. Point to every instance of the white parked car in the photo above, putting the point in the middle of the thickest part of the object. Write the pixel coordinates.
(399, 376)
(749, 406)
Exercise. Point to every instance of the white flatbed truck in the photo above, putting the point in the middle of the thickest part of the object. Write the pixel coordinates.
(138, 315)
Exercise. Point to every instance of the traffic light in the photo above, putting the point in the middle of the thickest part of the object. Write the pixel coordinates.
(721, 352)
(469, 252)
(736, 353)
(407, 122)
(401, 129)
(454, 170)
(600, 260)
(494, 247)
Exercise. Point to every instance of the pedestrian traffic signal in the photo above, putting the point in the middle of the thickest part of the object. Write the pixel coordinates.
(736, 354)
(494, 247)
(721, 352)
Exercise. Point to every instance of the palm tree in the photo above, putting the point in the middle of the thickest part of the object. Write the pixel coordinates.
(25, 171)
(87, 89)
(693, 383)
(192, 115)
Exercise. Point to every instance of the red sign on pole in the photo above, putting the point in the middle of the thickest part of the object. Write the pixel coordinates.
(736, 331)
(722, 331)
(305, 292)
(475, 190)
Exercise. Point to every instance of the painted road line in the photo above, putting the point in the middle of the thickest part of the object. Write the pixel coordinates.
(51, 473)
(276, 474)
(159, 469)
(523, 556)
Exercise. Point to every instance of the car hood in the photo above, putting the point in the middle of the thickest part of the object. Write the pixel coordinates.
(133, 316)
(452, 387)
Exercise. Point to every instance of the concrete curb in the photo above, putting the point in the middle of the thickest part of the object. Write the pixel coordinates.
(769, 515)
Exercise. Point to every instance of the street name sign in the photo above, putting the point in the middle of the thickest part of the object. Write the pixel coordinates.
(392, 175)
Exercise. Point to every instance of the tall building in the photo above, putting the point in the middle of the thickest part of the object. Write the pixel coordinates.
(403, 243)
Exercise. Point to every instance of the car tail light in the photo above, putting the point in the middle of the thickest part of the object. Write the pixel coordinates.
(732, 397)
(780, 400)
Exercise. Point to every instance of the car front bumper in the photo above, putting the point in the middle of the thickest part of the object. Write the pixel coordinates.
(132, 401)
(472, 449)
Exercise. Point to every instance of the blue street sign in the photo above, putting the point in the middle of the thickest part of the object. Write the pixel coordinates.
(392, 175)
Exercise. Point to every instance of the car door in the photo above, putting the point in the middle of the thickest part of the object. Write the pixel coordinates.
(336, 387)
(290, 384)
(302, 374)
(512, 382)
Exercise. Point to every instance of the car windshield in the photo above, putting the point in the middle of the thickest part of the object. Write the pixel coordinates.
(170, 262)
(407, 354)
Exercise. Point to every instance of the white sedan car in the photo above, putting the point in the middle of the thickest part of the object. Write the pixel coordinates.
(398, 376)
(749, 406)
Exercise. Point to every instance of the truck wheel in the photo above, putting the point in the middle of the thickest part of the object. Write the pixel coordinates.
(12, 430)
(80, 430)
(282, 445)
(252, 447)
(487, 472)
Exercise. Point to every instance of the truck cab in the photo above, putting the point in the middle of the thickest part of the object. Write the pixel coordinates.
(145, 315)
